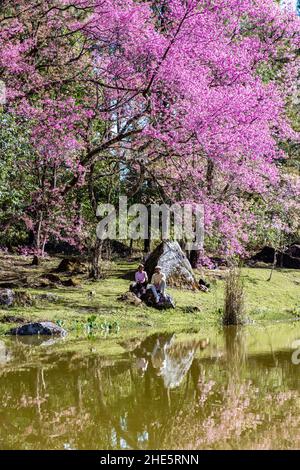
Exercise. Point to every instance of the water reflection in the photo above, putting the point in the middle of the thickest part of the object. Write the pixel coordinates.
(161, 393)
(5, 355)
(159, 356)
(36, 340)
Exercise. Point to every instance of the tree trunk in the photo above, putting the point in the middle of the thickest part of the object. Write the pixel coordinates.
(38, 234)
(147, 245)
(147, 241)
(210, 170)
(37, 241)
(194, 258)
(273, 265)
(96, 271)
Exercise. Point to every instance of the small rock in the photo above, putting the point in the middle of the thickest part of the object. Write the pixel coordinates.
(294, 250)
(44, 283)
(191, 309)
(91, 295)
(12, 319)
(71, 265)
(47, 297)
(130, 299)
(7, 297)
(52, 278)
(35, 261)
(39, 328)
(23, 299)
(72, 282)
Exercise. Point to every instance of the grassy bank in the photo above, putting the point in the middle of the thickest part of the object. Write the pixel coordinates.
(277, 300)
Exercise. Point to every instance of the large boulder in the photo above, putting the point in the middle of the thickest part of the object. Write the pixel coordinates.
(46, 328)
(174, 263)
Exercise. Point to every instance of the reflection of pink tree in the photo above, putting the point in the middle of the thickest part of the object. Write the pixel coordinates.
(239, 416)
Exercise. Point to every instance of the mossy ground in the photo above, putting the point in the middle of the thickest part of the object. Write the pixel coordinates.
(278, 300)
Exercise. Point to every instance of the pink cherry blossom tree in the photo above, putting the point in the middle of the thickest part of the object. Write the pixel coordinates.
(197, 89)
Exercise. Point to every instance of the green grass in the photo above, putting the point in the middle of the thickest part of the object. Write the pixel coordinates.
(105, 316)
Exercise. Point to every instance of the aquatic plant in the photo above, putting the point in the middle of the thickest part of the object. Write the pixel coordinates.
(234, 307)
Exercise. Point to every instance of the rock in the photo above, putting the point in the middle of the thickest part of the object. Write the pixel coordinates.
(11, 298)
(266, 255)
(294, 250)
(72, 282)
(39, 328)
(7, 297)
(35, 261)
(48, 297)
(130, 299)
(164, 303)
(174, 264)
(91, 295)
(285, 259)
(36, 340)
(23, 299)
(52, 278)
(120, 249)
(71, 265)
(9, 285)
(44, 283)
(289, 262)
(12, 319)
(190, 309)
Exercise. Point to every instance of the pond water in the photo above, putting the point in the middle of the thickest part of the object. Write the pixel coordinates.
(219, 389)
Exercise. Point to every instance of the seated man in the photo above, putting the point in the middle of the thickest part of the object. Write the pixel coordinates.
(141, 281)
(158, 283)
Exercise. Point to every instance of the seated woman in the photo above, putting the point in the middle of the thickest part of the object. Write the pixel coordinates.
(141, 281)
(158, 283)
